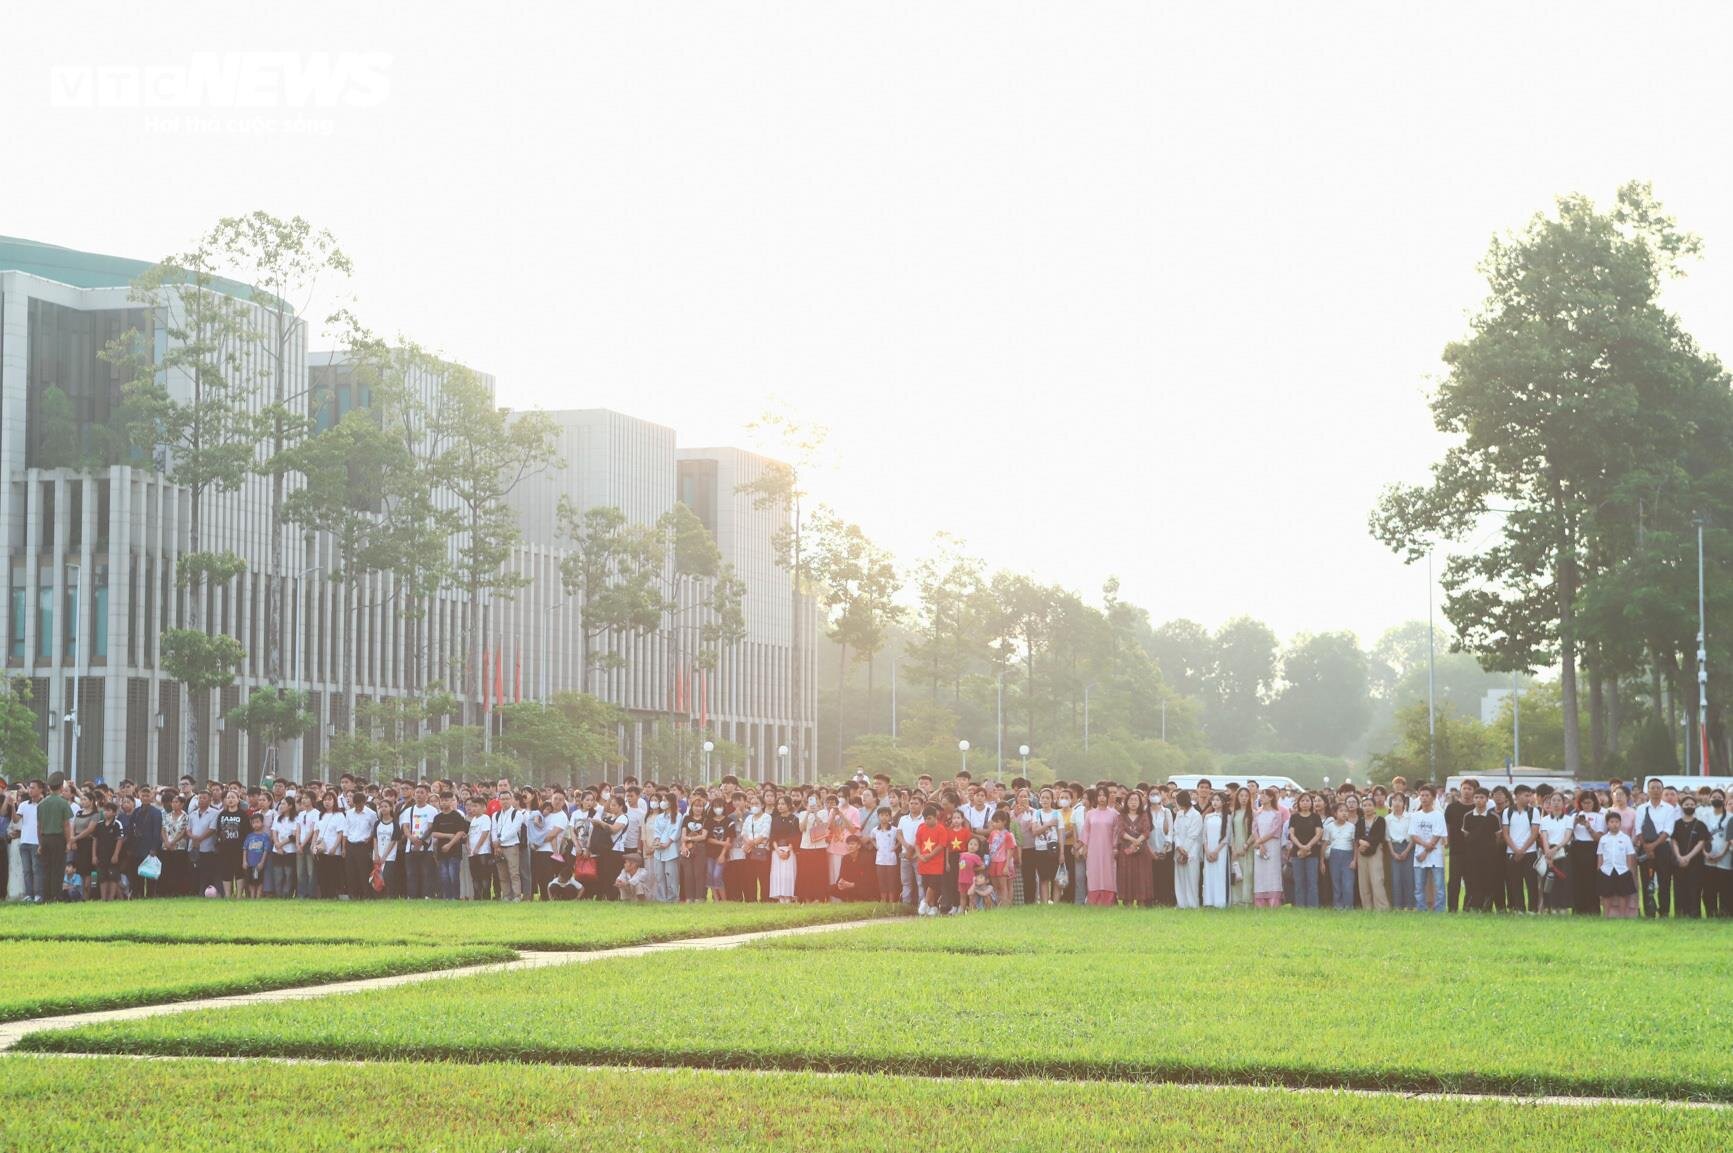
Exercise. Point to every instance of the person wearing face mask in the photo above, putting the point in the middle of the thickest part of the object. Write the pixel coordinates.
(812, 860)
(719, 833)
(1718, 859)
(755, 831)
(1690, 843)
(665, 829)
(694, 854)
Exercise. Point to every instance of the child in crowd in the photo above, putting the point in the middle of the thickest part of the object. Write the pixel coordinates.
(634, 880)
(972, 880)
(72, 885)
(1001, 857)
(253, 850)
(1616, 879)
(885, 856)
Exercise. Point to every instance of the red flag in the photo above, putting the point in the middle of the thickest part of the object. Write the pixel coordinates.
(517, 678)
(680, 701)
(499, 677)
(485, 685)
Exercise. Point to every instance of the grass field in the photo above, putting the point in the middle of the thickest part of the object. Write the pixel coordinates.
(44, 978)
(578, 925)
(250, 1107)
(1305, 999)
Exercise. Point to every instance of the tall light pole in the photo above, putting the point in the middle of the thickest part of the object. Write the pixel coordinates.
(782, 764)
(1023, 751)
(1431, 683)
(1702, 664)
(963, 747)
(71, 715)
(709, 747)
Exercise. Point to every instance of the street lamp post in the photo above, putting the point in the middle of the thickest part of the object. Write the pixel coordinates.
(782, 764)
(1023, 751)
(709, 747)
(77, 651)
(963, 747)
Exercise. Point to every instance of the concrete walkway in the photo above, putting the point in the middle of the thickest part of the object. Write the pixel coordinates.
(12, 1031)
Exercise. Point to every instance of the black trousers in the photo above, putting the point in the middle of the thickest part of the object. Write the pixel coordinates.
(358, 869)
(1718, 892)
(1582, 859)
(1660, 868)
(51, 855)
(481, 876)
(1688, 890)
(1457, 867)
(1522, 888)
(328, 871)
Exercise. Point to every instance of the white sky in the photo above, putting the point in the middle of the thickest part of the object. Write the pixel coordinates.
(1145, 289)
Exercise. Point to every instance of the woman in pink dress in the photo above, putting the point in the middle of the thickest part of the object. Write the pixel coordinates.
(1101, 829)
(1267, 852)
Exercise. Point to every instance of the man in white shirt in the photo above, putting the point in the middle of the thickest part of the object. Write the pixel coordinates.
(907, 824)
(1429, 833)
(1187, 852)
(420, 874)
(29, 842)
(1653, 835)
(508, 828)
(359, 821)
(1522, 887)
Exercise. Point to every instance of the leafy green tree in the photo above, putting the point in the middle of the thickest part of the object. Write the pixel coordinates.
(55, 429)
(856, 582)
(274, 715)
(1185, 652)
(562, 740)
(951, 617)
(283, 261)
(200, 432)
(1462, 745)
(1242, 675)
(615, 570)
(1324, 703)
(21, 753)
(1570, 373)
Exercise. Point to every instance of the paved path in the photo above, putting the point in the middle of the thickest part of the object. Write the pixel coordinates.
(12, 1031)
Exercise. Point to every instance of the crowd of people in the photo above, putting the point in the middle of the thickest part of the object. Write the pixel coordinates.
(939, 847)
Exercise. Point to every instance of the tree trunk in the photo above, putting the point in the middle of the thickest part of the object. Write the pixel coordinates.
(1615, 715)
(1566, 584)
(1597, 716)
(841, 684)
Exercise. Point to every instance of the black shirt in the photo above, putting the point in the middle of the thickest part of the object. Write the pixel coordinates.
(446, 824)
(717, 827)
(1454, 811)
(232, 827)
(1304, 826)
(1480, 832)
(1373, 835)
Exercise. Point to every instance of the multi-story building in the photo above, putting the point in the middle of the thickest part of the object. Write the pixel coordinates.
(92, 542)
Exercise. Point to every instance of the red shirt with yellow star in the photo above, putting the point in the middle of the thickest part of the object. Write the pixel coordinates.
(931, 837)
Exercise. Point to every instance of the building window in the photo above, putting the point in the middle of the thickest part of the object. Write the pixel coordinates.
(20, 614)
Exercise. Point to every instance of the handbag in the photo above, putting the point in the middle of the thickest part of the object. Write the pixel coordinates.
(377, 880)
(1238, 874)
(584, 868)
(150, 868)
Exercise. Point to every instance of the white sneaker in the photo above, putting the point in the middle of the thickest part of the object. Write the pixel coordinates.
(923, 910)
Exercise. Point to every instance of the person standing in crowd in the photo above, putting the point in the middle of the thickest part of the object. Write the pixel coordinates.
(328, 848)
(1456, 808)
(306, 846)
(176, 874)
(447, 833)
(1616, 879)
(1430, 833)
(1553, 834)
(1161, 849)
(1398, 840)
(1369, 880)
(233, 826)
(507, 834)
(812, 859)
(1587, 825)
(285, 840)
(416, 824)
(755, 837)
(1187, 852)
(1305, 838)
(1041, 862)
(359, 822)
(1521, 850)
(1269, 826)
(1690, 843)
(1483, 859)
(930, 846)
(665, 829)
(1339, 856)
(144, 839)
(1240, 847)
(1102, 826)
(388, 848)
(784, 842)
(1136, 872)
(1718, 860)
(26, 831)
(53, 816)
(1217, 859)
(1652, 831)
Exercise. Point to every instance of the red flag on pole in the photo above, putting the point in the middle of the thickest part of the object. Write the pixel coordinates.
(485, 671)
(499, 677)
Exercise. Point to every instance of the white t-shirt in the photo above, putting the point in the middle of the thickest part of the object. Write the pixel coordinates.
(286, 835)
(27, 834)
(508, 827)
(385, 841)
(886, 842)
(1719, 830)
(1428, 826)
(553, 831)
(1594, 823)
(906, 825)
(1396, 827)
(417, 821)
(331, 832)
(1615, 851)
(1557, 831)
(1665, 817)
(480, 834)
(1518, 824)
(1338, 835)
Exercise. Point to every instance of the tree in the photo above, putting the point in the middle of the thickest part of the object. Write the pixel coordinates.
(951, 617)
(855, 581)
(1242, 673)
(1324, 703)
(1570, 374)
(345, 469)
(283, 260)
(191, 410)
(558, 740)
(615, 569)
(21, 752)
(1185, 653)
(1463, 746)
(480, 455)
(779, 490)
(55, 429)
(273, 715)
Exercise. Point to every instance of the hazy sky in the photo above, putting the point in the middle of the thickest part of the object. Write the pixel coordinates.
(1153, 290)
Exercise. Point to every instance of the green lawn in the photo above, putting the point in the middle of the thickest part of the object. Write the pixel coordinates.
(1318, 999)
(123, 1106)
(576, 925)
(45, 978)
